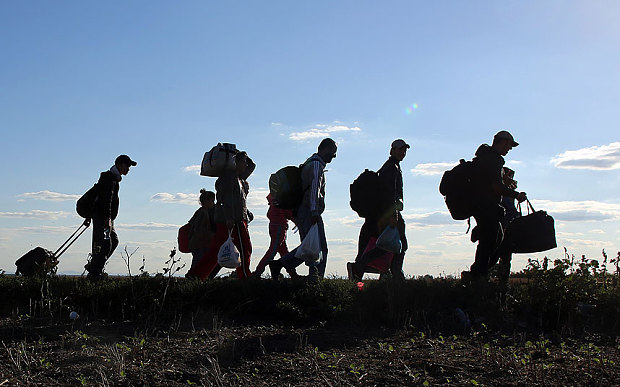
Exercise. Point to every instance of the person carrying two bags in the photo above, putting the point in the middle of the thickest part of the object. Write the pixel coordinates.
(231, 219)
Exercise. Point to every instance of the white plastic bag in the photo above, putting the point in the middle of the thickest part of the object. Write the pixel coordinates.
(229, 256)
(310, 247)
(389, 240)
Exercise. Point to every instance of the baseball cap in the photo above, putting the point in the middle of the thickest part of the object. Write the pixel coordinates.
(124, 159)
(505, 135)
(400, 143)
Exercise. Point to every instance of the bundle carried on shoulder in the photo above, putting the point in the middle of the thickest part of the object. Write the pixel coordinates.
(365, 194)
(219, 159)
(457, 188)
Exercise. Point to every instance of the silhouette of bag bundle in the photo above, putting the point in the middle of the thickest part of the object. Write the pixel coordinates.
(532, 233)
(219, 159)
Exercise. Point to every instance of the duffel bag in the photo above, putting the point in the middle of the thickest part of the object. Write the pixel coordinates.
(532, 233)
(219, 159)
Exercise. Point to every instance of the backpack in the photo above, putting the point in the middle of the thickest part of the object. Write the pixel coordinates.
(183, 238)
(365, 197)
(457, 188)
(285, 187)
(219, 159)
(85, 205)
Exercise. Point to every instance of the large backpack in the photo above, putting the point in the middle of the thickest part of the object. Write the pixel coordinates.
(85, 205)
(457, 188)
(365, 198)
(219, 159)
(285, 187)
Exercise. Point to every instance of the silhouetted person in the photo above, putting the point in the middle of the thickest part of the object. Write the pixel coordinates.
(489, 189)
(310, 210)
(390, 204)
(231, 218)
(105, 211)
(202, 229)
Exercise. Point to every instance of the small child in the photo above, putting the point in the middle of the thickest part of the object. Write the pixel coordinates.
(278, 224)
(202, 229)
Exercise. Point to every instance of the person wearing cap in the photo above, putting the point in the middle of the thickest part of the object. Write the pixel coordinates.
(489, 190)
(105, 239)
(390, 207)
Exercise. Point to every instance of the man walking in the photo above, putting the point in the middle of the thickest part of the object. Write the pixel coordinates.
(489, 188)
(390, 205)
(311, 209)
(105, 211)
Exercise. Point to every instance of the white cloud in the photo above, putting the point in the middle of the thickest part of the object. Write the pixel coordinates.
(321, 131)
(148, 226)
(437, 218)
(598, 158)
(180, 198)
(432, 169)
(35, 214)
(48, 196)
(257, 198)
(579, 211)
(192, 168)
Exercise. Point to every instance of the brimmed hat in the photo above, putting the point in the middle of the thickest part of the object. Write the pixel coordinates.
(124, 159)
(505, 135)
(400, 143)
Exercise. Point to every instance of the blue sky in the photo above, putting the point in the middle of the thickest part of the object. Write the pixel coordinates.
(83, 82)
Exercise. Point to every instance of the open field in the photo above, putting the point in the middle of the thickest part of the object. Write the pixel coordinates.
(552, 326)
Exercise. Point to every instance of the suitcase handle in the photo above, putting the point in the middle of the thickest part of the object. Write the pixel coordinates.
(530, 208)
(58, 252)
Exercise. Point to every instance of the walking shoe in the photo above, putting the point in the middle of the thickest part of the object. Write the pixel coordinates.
(293, 274)
(313, 274)
(274, 268)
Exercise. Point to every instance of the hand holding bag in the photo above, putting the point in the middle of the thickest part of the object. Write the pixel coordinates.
(229, 256)
(532, 233)
(389, 240)
(310, 247)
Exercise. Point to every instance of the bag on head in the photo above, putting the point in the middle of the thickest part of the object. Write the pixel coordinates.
(219, 159)
(457, 188)
(365, 194)
(86, 204)
(285, 187)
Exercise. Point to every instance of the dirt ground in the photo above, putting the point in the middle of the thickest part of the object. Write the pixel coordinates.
(97, 353)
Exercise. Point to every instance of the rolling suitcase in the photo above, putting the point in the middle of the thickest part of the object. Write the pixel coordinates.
(40, 261)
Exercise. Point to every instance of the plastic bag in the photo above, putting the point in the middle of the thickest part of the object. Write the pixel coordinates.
(310, 247)
(229, 256)
(389, 240)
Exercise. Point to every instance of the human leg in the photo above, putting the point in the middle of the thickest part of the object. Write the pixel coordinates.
(244, 244)
(489, 238)
(277, 234)
(398, 259)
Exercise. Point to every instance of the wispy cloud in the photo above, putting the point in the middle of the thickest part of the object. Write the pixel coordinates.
(321, 131)
(579, 211)
(257, 198)
(48, 196)
(179, 198)
(35, 214)
(192, 168)
(432, 169)
(598, 158)
(437, 218)
(147, 226)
